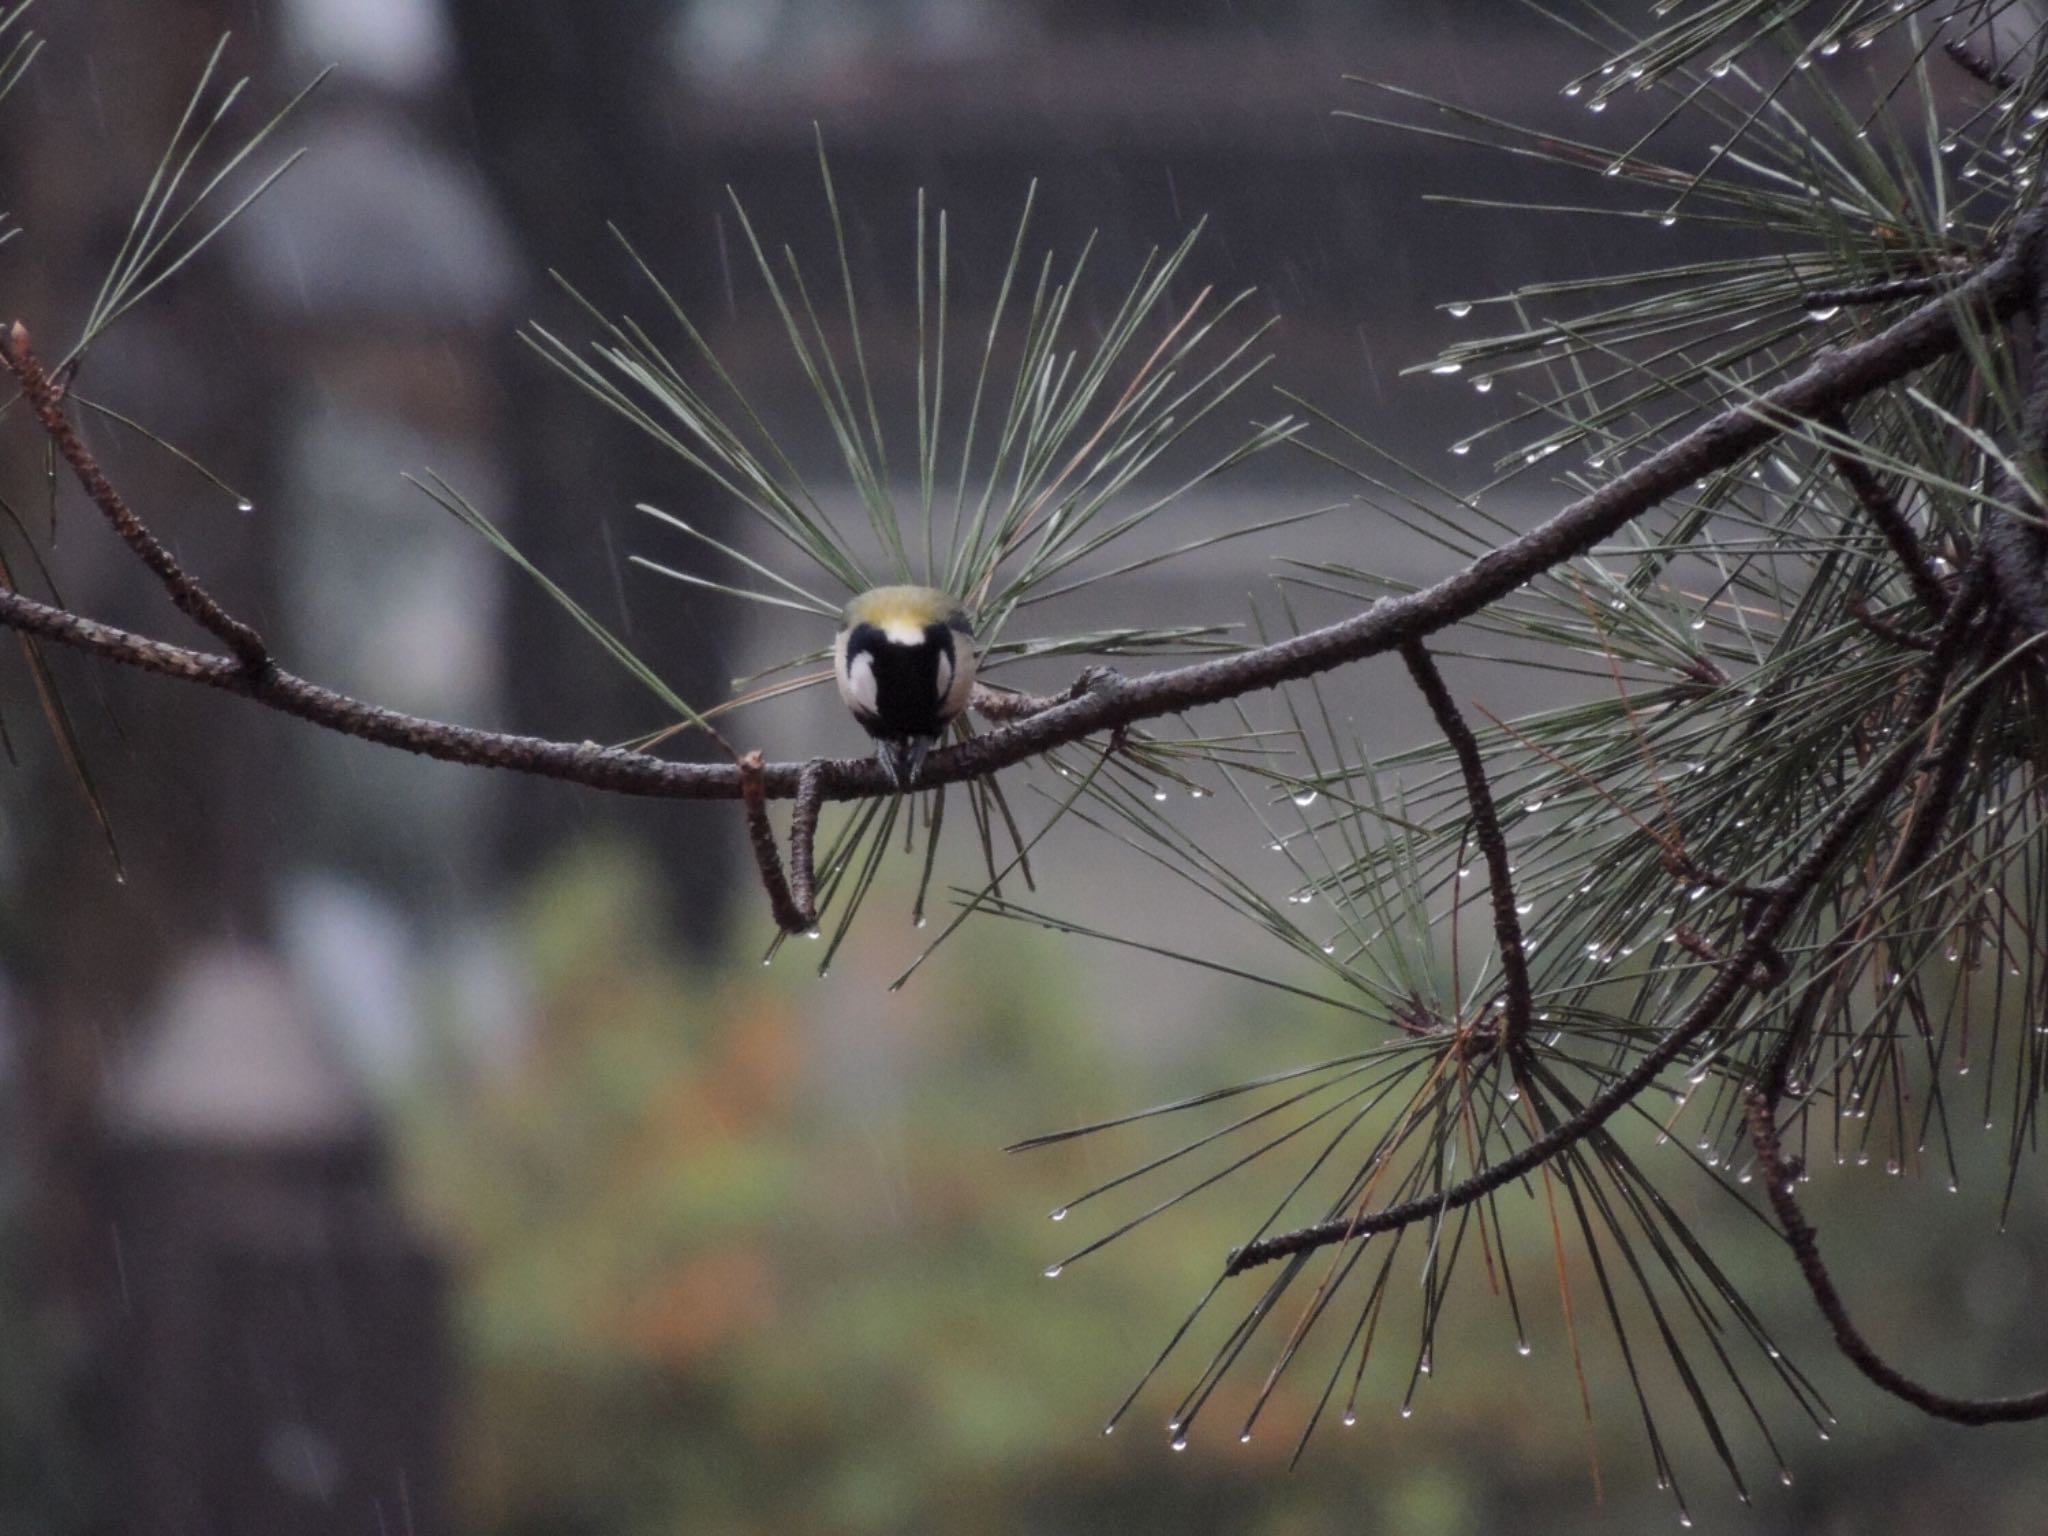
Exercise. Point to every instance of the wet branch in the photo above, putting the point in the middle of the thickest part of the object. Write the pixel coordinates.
(1884, 510)
(46, 400)
(795, 911)
(1751, 967)
(1976, 64)
(1779, 1182)
(1507, 926)
(1882, 293)
(1997, 291)
(793, 899)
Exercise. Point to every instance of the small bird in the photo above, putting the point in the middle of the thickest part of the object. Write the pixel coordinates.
(904, 661)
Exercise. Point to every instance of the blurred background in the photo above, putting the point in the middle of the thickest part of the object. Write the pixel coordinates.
(399, 1148)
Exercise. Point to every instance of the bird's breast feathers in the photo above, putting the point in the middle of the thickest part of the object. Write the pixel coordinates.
(904, 661)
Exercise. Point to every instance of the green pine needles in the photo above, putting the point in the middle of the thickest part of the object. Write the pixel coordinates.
(1042, 474)
(1749, 662)
(1749, 657)
(1011, 492)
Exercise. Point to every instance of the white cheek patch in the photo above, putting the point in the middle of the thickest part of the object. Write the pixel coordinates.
(945, 677)
(857, 684)
(956, 678)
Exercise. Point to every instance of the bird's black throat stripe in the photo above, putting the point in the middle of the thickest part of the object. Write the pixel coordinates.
(907, 695)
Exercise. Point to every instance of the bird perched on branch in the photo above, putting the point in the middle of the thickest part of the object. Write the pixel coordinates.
(904, 661)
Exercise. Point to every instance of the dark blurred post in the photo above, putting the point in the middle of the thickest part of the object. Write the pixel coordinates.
(573, 113)
(263, 1330)
(280, 1356)
(192, 791)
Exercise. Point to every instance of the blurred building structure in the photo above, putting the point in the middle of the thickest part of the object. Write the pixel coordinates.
(273, 1347)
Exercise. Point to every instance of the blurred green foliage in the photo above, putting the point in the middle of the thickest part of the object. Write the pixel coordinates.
(737, 1251)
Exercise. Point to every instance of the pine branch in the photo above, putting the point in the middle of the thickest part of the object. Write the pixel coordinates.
(1500, 884)
(1830, 383)
(793, 899)
(45, 399)
(1974, 63)
(1757, 964)
(1884, 510)
(1882, 293)
(1780, 1179)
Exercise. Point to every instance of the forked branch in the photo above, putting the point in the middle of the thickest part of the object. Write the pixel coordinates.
(45, 399)
(1753, 965)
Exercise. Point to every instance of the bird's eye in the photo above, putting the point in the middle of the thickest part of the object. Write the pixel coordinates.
(957, 620)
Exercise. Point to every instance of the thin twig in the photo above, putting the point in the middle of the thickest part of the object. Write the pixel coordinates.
(803, 834)
(1974, 63)
(1884, 510)
(1882, 293)
(1779, 1182)
(1507, 925)
(1858, 608)
(1925, 820)
(790, 916)
(44, 398)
